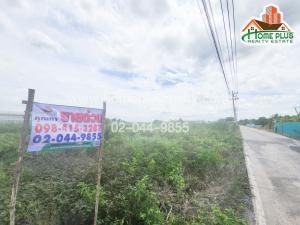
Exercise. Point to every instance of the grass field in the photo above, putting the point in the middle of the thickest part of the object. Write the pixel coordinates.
(149, 178)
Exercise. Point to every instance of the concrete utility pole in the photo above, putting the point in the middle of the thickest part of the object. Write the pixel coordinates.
(234, 98)
(298, 114)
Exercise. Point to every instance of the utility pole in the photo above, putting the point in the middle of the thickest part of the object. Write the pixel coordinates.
(234, 98)
(298, 114)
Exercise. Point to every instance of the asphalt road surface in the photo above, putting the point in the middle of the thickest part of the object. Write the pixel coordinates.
(273, 163)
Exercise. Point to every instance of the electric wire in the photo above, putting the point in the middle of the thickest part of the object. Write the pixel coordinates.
(206, 25)
(232, 53)
(215, 44)
(235, 50)
(230, 29)
(230, 60)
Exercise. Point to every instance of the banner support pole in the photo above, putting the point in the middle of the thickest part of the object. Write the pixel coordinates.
(21, 150)
(100, 156)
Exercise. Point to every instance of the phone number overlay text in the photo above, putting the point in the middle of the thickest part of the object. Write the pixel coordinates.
(163, 127)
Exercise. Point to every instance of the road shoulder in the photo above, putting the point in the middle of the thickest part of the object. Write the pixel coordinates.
(259, 216)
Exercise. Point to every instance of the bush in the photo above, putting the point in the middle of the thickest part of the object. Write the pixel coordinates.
(148, 178)
(142, 205)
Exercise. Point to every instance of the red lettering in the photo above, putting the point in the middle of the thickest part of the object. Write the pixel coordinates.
(92, 118)
(86, 117)
(38, 128)
(80, 117)
(73, 117)
(98, 118)
(64, 116)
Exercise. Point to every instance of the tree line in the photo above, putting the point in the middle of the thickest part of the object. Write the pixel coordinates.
(268, 122)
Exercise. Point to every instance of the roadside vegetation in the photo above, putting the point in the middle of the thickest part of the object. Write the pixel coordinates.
(270, 121)
(151, 178)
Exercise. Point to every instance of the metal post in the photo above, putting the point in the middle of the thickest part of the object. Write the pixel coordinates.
(22, 147)
(100, 156)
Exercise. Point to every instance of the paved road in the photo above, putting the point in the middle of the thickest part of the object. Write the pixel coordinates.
(273, 163)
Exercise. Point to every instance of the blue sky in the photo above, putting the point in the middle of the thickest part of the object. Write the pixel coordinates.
(147, 59)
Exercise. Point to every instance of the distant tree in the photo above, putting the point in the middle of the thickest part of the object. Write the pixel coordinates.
(263, 121)
(269, 122)
(227, 119)
(244, 122)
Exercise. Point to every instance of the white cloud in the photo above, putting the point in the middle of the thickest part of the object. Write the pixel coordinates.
(163, 43)
(41, 40)
(5, 23)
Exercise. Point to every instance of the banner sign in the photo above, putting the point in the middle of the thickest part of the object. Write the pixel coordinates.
(56, 127)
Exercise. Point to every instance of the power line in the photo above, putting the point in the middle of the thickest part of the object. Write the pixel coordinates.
(215, 31)
(235, 95)
(229, 22)
(215, 43)
(206, 24)
(206, 28)
(218, 39)
(235, 51)
(230, 64)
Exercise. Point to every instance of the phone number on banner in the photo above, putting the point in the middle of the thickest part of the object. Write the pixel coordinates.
(66, 138)
(45, 128)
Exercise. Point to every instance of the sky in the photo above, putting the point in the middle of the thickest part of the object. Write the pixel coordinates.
(149, 59)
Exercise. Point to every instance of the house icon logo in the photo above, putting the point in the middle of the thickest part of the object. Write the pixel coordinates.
(271, 30)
